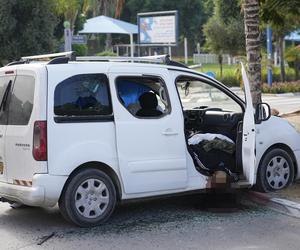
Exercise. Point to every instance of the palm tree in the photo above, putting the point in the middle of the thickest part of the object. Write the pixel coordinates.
(284, 18)
(68, 8)
(252, 33)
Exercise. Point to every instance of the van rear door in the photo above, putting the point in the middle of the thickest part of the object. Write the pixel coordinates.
(19, 132)
(6, 80)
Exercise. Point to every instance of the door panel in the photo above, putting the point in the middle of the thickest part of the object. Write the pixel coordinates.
(151, 151)
(248, 142)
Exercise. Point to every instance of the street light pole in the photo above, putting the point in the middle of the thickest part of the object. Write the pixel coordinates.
(269, 51)
(68, 36)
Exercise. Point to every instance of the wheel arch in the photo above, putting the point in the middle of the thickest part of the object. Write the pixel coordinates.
(285, 148)
(100, 166)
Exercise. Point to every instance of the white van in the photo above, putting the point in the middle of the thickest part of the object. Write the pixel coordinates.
(90, 132)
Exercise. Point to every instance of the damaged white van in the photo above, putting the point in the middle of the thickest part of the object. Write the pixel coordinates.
(87, 133)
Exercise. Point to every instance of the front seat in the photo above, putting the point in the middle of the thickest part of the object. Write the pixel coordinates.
(149, 103)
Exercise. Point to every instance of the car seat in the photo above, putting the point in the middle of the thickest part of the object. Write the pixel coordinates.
(149, 103)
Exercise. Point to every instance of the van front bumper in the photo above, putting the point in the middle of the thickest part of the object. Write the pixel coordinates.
(44, 192)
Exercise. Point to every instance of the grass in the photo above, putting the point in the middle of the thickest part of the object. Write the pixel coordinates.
(227, 69)
(232, 77)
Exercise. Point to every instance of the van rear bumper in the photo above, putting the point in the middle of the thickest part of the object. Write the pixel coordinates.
(45, 190)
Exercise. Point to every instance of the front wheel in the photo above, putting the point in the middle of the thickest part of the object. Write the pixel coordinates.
(275, 172)
(88, 199)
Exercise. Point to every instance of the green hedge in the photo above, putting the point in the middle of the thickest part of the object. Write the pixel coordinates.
(106, 53)
(80, 49)
(230, 81)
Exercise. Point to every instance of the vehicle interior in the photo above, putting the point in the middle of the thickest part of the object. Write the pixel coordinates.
(213, 127)
(143, 96)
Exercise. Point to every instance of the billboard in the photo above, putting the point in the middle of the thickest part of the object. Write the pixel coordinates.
(159, 28)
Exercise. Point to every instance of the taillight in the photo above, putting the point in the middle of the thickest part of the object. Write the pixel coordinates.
(40, 141)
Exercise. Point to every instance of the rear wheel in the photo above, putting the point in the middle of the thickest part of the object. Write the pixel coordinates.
(88, 199)
(275, 172)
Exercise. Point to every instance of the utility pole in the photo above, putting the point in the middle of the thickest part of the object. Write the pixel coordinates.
(269, 51)
(185, 51)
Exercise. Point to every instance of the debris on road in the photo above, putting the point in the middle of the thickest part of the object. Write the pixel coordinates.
(45, 238)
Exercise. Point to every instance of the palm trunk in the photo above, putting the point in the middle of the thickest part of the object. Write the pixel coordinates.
(297, 67)
(220, 59)
(108, 42)
(281, 55)
(252, 33)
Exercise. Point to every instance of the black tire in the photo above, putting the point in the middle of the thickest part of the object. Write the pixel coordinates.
(72, 196)
(265, 177)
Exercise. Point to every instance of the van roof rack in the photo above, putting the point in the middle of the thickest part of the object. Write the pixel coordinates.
(47, 56)
(65, 57)
(150, 59)
(159, 59)
(54, 58)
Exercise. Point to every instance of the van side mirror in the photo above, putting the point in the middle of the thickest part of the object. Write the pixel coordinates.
(262, 112)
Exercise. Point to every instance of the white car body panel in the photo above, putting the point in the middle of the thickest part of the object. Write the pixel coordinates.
(88, 142)
(160, 166)
(276, 131)
(156, 164)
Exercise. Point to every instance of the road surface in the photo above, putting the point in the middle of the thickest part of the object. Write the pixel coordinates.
(173, 223)
(283, 103)
(197, 96)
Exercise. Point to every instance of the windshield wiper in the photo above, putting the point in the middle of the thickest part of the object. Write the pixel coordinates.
(5, 96)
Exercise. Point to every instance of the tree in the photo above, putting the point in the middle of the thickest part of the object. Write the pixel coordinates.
(106, 8)
(26, 28)
(225, 32)
(283, 16)
(292, 56)
(252, 33)
(215, 35)
(69, 9)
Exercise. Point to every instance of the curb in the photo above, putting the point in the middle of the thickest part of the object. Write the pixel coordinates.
(284, 206)
(293, 113)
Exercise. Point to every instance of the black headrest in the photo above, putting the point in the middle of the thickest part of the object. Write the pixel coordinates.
(148, 100)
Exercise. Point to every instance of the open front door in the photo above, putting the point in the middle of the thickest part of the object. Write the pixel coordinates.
(248, 143)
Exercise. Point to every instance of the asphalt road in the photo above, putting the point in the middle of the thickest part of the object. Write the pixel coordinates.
(284, 103)
(190, 222)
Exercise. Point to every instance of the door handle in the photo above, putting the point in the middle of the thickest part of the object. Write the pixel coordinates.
(169, 132)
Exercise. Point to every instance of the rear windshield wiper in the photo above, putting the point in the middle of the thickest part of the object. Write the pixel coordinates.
(5, 96)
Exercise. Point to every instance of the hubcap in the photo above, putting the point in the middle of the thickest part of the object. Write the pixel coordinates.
(91, 198)
(278, 172)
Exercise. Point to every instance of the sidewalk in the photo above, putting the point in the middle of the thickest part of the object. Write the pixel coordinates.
(293, 118)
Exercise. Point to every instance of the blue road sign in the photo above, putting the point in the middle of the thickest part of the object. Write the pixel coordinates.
(79, 39)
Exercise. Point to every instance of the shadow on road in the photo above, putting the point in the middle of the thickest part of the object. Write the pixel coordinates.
(128, 215)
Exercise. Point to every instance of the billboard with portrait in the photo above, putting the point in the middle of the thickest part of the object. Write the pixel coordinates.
(158, 28)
